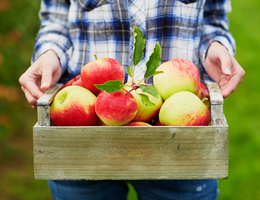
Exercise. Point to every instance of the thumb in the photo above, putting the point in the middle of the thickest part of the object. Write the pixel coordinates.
(46, 78)
(226, 63)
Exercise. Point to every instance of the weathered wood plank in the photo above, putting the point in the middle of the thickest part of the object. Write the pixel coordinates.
(130, 152)
(216, 103)
(43, 105)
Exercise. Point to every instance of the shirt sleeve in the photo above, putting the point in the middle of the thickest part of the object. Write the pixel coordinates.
(54, 30)
(216, 27)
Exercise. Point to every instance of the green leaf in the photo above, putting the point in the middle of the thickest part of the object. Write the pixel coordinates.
(130, 71)
(110, 86)
(153, 61)
(157, 72)
(139, 44)
(150, 90)
(145, 100)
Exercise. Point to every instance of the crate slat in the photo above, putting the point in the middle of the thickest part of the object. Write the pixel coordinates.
(130, 152)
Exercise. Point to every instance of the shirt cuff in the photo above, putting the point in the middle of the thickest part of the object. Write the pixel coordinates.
(222, 40)
(50, 46)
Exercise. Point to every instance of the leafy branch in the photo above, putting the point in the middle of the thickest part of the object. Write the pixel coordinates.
(151, 65)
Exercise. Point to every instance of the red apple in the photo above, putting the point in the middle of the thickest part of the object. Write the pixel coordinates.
(74, 106)
(101, 71)
(145, 113)
(75, 81)
(116, 108)
(138, 124)
(184, 109)
(201, 89)
(179, 75)
(158, 123)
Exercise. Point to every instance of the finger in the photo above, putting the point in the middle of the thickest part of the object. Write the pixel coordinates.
(226, 63)
(46, 78)
(231, 86)
(30, 85)
(32, 89)
(30, 98)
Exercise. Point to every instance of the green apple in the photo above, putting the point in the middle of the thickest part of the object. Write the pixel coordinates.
(178, 75)
(184, 109)
(145, 113)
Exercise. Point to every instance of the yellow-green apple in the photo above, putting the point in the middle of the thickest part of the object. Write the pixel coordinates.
(101, 71)
(184, 109)
(75, 81)
(145, 113)
(138, 124)
(74, 106)
(202, 89)
(116, 108)
(179, 75)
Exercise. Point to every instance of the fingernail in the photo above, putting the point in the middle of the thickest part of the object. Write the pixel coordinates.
(227, 71)
(44, 85)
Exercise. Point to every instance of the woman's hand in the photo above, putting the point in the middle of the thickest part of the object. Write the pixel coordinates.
(223, 68)
(41, 75)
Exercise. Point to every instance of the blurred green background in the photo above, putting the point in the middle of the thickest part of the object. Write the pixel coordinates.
(18, 27)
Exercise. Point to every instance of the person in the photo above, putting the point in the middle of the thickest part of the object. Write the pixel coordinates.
(73, 31)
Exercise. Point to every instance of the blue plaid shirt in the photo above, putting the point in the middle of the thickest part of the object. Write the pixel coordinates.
(78, 29)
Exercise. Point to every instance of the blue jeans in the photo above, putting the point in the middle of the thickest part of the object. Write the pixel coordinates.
(146, 190)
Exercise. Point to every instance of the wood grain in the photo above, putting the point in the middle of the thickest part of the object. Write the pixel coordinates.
(130, 152)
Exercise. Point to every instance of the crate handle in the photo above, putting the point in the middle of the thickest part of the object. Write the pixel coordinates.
(216, 102)
(43, 105)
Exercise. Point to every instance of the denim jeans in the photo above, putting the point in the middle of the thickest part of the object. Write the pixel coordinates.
(146, 189)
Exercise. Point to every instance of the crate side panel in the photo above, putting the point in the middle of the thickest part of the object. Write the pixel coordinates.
(130, 153)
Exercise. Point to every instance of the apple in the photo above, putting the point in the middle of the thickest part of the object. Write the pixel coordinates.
(145, 113)
(201, 89)
(75, 81)
(138, 124)
(158, 123)
(101, 71)
(101, 123)
(179, 75)
(184, 109)
(74, 106)
(204, 99)
(116, 108)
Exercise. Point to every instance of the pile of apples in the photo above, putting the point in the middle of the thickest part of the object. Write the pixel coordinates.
(99, 97)
(178, 102)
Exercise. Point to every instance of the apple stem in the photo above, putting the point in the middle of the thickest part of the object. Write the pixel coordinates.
(140, 81)
(129, 91)
(133, 76)
(147, 80)
(95, 55)
(204, 99)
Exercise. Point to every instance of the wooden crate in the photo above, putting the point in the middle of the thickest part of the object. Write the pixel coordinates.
(131, 153)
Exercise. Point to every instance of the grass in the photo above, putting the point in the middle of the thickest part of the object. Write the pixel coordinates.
(242, 108)
(19, 25)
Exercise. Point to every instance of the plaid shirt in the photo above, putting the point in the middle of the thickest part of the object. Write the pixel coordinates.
(78, 29)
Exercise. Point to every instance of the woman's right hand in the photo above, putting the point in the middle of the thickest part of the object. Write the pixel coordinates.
(41, 75)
